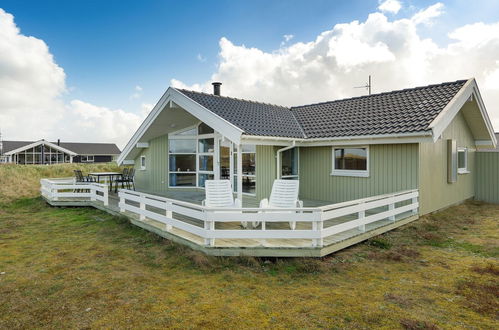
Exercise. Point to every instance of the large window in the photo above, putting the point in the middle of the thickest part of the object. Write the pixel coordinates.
(41, 154)
(87, 159)
(351, 161)
(248, 153)
(191, 153)
(462, 160)
(289, 164)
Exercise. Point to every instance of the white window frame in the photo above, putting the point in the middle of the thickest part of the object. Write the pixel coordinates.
(175, 136)
(143, 164)
(352, 173)
(463, 170)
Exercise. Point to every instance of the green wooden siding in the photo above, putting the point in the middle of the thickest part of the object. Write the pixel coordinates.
(392, 167)
(266, 163)
(487, 177)
(434, 190)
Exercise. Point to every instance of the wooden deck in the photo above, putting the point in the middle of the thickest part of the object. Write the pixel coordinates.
(250, 247)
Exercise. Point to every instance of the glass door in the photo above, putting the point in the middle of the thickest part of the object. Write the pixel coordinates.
(225, 161)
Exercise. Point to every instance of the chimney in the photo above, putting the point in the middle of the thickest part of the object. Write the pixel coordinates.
(58, 142)
(216, 88)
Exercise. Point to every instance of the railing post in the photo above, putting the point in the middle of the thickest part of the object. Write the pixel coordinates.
(53, 192)
(93, 193)
(169, 214)
(413, 201)
(106, 196)
(122, 202)
(391, 207)
(209, 225)
(142, 216)
(318, 226)
(362, 215)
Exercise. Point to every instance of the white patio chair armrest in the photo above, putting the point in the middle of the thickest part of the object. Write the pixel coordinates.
(238, 203)
(264, 203)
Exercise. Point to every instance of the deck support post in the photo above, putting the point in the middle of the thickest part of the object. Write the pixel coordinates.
(318, 226)
(169, 214)
(122, 203)
(209, 225)
(142, 216)
(93, 192)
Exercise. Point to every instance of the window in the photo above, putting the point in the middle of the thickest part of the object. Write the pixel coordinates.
(462, 161)
(87, 159)
(248, 153)
(142, 163)
(289, 164)
(352, 161)
(190, 156)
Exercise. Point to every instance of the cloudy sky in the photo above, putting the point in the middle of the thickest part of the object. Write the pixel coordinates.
(91, 70)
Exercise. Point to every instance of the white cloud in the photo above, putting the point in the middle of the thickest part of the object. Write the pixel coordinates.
(390, 6)
(31, 89)
(288, 37)
(392, 51)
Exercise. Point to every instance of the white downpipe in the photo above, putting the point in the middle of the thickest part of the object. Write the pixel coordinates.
(279, 157)
(240, 172)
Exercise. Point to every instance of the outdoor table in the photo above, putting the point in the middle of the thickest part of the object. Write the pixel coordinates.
(106, 176)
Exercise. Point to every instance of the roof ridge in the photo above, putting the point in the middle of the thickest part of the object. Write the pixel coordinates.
(233, 98)
(379, 94)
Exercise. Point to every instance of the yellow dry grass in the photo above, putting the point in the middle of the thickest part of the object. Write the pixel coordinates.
(82, 268)
(24, 180)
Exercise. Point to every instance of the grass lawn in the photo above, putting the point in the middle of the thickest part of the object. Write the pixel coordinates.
(82, 268)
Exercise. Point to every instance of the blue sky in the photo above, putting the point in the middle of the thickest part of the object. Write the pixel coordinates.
(107, 48)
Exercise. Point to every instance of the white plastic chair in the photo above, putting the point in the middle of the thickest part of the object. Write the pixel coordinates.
(284, 195)
(219, 195)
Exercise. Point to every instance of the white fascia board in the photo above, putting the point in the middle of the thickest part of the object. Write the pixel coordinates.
(415, 137)
(172, 95)
(37, 143)
(144, 126)
(211, 119)
(142, 144)
(445, 117)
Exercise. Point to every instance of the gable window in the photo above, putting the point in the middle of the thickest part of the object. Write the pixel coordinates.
(462, 161)
(142, 163)
(289, 164)
(190, 156)
(351, 161)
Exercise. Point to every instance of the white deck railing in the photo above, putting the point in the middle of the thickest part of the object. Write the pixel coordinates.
(54, 189)
(314, 224)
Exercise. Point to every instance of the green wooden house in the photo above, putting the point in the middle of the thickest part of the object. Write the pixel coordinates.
(423, 138)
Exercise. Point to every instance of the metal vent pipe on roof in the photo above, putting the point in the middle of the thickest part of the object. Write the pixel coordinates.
(216, 88)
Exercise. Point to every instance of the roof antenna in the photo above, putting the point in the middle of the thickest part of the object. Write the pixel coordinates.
(366, 86)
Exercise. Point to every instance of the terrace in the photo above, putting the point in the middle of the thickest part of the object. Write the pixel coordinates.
(321, 228)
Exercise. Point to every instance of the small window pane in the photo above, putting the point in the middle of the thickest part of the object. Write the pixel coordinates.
(248, 148)
(182, 180)
(290, 162)
(182, 146)
(461, 159)
(206, 145)
(191, 131)
(206, 163)
(248, 164)
(182, 163)
(205, 129)
(350, 159)
(249, 184)
(204, 177)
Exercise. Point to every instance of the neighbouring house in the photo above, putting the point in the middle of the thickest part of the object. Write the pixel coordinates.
(45, 152)
(423, 138)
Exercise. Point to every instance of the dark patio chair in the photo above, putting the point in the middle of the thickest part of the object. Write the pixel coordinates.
(126, 179)
(80, 178)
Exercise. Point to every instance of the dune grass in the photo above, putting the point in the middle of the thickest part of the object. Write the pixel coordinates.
(82, 268)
